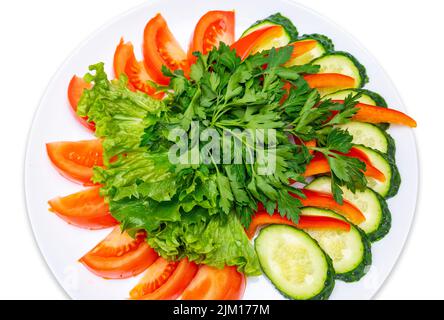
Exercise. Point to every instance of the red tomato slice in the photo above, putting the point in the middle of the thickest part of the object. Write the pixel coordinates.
(138, 77)
(84, 209)
(123, 53)
(156, 275)
(119, 256)
(75, 160)
(216, 284)
(176, 283)
(160, 48)
(212, 28)
(75, 90)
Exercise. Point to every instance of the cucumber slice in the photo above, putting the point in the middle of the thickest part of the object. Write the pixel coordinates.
(371, 136)
(367, 97)
(295, 263)
(324, 45)
(323, 40)
(371, 204)
(273, 20)
(390, 186)
(306, 58)
(343, 63)
(350, 251)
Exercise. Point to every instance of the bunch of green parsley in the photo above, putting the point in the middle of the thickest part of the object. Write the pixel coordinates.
(200, 210)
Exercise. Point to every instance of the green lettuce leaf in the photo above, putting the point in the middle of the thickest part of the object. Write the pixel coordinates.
(217, 241)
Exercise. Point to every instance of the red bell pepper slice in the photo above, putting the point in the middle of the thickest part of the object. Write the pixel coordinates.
(329, 80)
(305, 222)
(302, 47)
(327, 201)
(375, 114)
(319, 165)
(253, 41)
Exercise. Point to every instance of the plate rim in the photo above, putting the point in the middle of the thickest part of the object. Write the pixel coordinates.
(123, 15)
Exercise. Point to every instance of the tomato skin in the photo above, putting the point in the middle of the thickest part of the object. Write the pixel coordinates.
(85, 209)
(75, 90)
(127, 260)
(123, 53)
(138, 77)
(176, 283)
(212, 28)
(155, 276)
(75, 160)
(216, 284)
(160, 48)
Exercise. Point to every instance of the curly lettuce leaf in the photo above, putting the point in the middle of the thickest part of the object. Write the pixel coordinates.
(217, 241)
(120, 115)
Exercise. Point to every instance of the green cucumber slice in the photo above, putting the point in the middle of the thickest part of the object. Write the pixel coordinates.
(275, 19)
(371, 204)
(350, 251)
(324, 45)
(383, 163)
(371, 136)
(343, 63)
(295, 263)
(367, 97)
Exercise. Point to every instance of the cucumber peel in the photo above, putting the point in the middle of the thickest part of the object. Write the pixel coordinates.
(275, 19)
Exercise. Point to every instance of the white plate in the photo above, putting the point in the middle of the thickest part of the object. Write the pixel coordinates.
(62, 245)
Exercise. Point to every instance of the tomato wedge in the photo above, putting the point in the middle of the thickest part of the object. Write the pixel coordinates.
(319, 165)
(329, 80)
(119, 256)
(84, 209)
(214, 27)
(176, 283)
(75, 160)
(155, 276)
(327, 201)
(255, 41)
(123, 52)
(75, 90)
(216, 284)
(305, 222)
(160, 48)
(138, 77)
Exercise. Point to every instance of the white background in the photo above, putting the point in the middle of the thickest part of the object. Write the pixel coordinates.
(405, 36)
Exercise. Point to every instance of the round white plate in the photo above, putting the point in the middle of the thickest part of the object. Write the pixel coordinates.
(62, 245)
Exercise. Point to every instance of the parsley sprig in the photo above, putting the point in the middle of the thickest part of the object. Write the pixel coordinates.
(225, 93)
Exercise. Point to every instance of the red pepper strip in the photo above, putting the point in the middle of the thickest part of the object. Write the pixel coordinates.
(375, 114)
(302, 47)
(310, 143)
(319, 165)
(253, 41)
(305, 222)
(327, 201)
(329, 80)
(370, 169)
